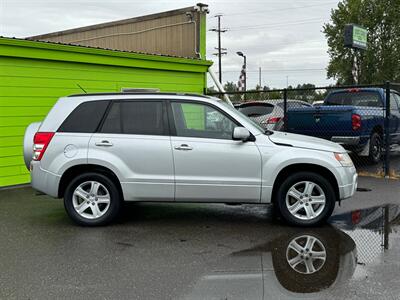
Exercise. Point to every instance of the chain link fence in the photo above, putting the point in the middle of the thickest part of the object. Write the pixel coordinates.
(364, 119)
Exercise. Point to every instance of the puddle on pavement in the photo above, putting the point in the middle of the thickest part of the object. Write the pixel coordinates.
(311, 263)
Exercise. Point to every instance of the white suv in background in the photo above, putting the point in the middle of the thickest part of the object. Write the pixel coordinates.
(97, 150)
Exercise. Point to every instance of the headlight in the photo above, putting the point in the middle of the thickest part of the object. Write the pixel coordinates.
(344, 159)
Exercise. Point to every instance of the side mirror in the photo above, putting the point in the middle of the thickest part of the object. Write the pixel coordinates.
(241, 134)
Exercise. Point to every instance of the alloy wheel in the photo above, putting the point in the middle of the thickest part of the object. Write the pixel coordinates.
(305, 200)
(91, 199)
(306, 254)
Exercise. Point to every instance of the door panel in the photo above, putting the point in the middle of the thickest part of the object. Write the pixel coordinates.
(216, 170)
(209, 165)
(142, 163)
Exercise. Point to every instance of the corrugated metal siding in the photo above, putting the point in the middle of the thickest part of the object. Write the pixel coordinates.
(30, 85)
(171, 33)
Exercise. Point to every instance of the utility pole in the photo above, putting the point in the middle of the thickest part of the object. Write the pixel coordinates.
(259, 77)
(221, 51)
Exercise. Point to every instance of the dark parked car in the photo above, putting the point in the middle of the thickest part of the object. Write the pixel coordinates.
(269, 114)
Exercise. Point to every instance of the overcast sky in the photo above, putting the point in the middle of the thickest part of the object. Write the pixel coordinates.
(283, 37)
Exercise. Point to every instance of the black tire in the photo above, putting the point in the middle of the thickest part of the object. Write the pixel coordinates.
(114, 205)
(325, 185)
(375, 148)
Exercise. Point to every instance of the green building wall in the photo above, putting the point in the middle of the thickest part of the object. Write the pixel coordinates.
(33, 75)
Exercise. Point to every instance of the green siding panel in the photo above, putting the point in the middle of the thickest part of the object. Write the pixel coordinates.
(15, 179)
(33, 75)
(11, 141)
(9, 151)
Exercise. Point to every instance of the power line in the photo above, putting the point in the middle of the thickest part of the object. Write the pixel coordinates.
(291, 42)
(271, 25)
(278, 70)
(278, 9)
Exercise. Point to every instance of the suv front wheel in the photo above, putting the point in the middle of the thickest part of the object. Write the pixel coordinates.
(305, 199)
(92, 199)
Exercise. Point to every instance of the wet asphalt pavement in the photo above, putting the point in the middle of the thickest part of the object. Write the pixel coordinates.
(193, 251)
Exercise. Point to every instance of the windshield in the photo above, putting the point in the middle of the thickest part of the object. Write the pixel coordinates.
(294, 104)
(255, 110)
(235, 111)
(354, 98)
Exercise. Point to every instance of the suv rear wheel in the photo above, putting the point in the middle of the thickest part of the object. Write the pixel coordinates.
(305, 199)
(92, 199)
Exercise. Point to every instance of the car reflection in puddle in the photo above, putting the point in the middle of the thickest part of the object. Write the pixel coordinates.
(311, 263)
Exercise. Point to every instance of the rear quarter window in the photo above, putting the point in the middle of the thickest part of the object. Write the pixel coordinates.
(85, 118)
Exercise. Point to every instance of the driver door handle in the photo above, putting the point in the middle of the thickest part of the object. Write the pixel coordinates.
(183, 147)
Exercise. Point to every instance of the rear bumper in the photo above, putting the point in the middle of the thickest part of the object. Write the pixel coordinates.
(346, 140)
(349, 181)
(44, 181)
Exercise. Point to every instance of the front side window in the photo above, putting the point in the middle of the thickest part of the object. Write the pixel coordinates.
(135, 117)
(202, 121)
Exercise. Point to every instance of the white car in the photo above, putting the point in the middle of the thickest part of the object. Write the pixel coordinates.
(270, 113)
(97, 150)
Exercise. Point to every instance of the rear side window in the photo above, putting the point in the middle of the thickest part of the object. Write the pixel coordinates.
(354, 98)
(135, 117)
(256, 110)
(85, 117)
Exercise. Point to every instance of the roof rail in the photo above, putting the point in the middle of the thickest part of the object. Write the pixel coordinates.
(139, 93)
(139, 90)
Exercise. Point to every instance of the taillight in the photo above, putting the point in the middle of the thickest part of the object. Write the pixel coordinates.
(354, 90)
(273, 120)
(40, 142)
(356, 217)
(356, 121)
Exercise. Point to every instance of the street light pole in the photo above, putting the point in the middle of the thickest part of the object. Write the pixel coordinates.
(245, 74)
(245, 68)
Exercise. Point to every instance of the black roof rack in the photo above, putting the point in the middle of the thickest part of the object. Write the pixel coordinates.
(139, 93)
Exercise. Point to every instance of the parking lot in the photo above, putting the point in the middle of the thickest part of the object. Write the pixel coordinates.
(365, 168)
(193, 251)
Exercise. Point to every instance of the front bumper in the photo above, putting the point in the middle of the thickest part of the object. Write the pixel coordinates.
(349, 181)
(44, 181)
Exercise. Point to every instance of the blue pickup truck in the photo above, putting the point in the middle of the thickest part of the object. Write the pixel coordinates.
(353, 118)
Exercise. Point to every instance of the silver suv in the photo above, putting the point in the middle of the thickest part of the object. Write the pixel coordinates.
(98, 150)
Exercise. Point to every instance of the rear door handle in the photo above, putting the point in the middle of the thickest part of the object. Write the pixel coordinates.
(104, 144)
(183, 147)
